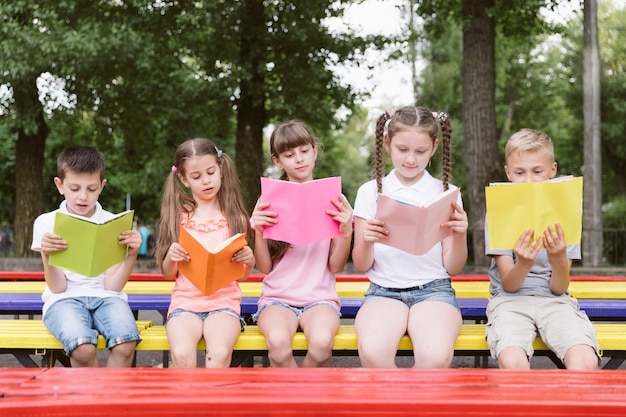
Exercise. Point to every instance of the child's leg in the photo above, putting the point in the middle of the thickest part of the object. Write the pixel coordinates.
(70, 321)
(184, 331)
(279, 324)
(320, 325)
(114, 320)
(433, 327)
(513, 357)
(568, 332)
(380, 324)
(581, 357)
(221, 331)
(511, 330)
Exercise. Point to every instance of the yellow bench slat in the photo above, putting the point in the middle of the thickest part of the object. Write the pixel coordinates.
(464, 289)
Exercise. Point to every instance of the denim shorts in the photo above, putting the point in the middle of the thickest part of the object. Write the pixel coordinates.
(294, 309)
(436, 290)
(77, 321)
(202, 316)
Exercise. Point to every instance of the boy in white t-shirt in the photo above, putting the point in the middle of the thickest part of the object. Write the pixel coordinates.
(78, 308)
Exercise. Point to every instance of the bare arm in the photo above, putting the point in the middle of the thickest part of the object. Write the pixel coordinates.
(117, 276)
(55, 277)
(340, 246)
(556, 248)
(366, 233)
(454, 248)
(512, 273)
(261, 218)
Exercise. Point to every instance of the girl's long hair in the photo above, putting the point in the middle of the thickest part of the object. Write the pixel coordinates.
(178, 198)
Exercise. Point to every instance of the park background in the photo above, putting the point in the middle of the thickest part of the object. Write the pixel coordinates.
(136, 78)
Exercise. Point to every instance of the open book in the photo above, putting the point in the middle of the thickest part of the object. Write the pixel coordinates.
(515, 207)
(301, 209)
(210, 269)
(412, 227)
(92, 247)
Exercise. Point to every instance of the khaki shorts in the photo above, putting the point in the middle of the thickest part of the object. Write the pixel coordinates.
(517, 320)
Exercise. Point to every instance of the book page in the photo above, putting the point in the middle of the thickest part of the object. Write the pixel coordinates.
(301, 209)
(210, 269)
(533, 205)
(92, 248)
(416, 229)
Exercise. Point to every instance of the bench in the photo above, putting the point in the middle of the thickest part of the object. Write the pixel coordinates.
(349, 392)
(471, 308)
(25, 337)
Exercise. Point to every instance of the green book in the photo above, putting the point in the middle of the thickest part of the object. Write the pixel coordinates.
(92, 247)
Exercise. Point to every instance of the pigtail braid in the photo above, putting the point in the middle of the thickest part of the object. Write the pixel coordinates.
(446, 137)
(379, 166)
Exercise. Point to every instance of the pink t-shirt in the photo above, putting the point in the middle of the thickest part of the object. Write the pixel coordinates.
(301, 277)
(185, 295)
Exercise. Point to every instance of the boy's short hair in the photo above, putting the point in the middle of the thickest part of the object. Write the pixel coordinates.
(528, 140)
(80, 159)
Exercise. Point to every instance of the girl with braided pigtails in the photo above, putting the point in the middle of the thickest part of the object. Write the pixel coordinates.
(408, 293)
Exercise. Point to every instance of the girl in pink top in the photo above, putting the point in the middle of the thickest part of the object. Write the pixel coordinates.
(299, 288)
(202, 194)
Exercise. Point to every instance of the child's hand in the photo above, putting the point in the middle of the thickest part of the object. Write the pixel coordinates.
(244, 256)
(262, 217)
(554, 242)
(343, 216)
(132, 240)
(458, 220)
(52, 243)
(177, 253)
(374, 231)
(527, 247)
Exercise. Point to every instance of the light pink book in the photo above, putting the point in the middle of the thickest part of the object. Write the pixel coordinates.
(413, 228)
(301, 209)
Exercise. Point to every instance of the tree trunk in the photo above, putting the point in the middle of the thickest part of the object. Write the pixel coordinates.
(29, 160)
(592, 245)
(482, 159)
(251, 114)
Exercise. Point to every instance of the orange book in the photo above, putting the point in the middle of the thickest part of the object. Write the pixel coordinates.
(210, 269)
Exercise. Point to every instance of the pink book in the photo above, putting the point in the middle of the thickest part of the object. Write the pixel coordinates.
(413, 228)
(301, 209)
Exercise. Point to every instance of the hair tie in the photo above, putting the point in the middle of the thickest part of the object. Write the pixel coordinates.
(219, 152)
(174, 169)
(386, 127)
(436, 115)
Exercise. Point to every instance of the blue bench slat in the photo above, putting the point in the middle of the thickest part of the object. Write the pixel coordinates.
(470, 307)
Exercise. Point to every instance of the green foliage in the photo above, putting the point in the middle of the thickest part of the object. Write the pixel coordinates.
(614, 213)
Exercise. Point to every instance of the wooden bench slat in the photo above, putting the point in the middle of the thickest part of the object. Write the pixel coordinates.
(479, 289)
(308, 392)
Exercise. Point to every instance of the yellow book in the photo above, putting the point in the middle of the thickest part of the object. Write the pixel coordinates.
(515, 207)
(210, 269)
(92, 247)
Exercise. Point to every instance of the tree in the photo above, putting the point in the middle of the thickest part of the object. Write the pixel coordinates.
(480, 21)
(592, 201)
(141, 77)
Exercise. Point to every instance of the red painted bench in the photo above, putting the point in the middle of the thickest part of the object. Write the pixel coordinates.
(312, 392)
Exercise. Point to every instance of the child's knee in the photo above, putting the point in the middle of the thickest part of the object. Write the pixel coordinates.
(84, 355)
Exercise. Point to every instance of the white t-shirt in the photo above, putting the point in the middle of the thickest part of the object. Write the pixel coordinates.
(393, 268)
(77, 285)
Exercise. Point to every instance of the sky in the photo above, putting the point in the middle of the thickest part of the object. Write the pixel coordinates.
(390, 83)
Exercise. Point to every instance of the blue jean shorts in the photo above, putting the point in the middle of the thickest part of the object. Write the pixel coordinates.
(294, 309)
(203, 315)
(77, 321)
(436, 290)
